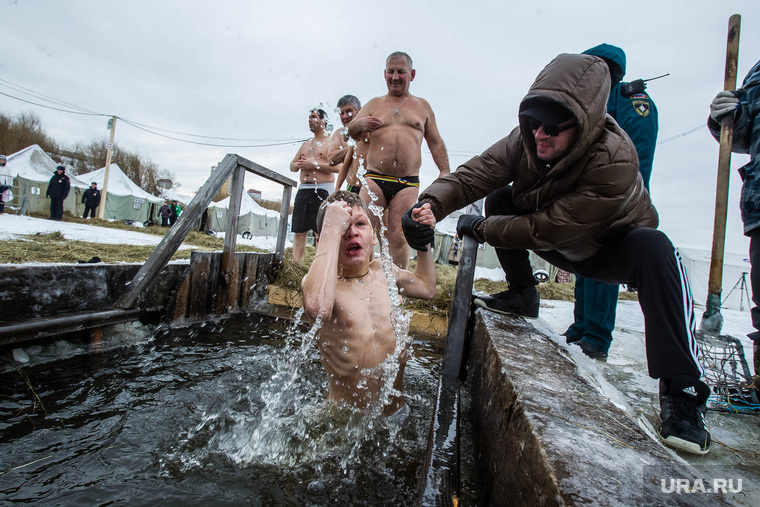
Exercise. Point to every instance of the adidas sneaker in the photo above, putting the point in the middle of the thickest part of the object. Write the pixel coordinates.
(683, 403)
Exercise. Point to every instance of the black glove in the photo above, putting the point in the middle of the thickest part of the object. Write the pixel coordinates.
(418, 235)
(468, 225)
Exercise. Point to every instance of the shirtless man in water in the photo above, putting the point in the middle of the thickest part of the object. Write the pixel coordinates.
(347, 289)
(317, 177)
(398, 122)
(346, 156)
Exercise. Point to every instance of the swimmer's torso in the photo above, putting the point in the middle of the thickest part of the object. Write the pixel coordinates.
(316, 150)
(362, 339)
(395, 147)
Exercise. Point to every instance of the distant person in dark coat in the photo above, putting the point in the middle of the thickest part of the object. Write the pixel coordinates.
(176, 211)
(91, 200)
(166, 213)
(57, 191)
(3, 188)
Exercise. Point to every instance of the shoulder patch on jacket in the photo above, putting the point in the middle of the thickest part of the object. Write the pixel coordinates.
(641, 107)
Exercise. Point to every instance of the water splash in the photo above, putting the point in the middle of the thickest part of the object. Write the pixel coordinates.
(286, 421)
(399, 318)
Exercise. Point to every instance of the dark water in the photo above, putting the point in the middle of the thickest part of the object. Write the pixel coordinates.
(178, 421)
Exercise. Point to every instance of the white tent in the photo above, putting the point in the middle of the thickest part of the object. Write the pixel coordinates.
(737, 292)
(28, 172)
(252, 217)
(170, 195)
(125, 200)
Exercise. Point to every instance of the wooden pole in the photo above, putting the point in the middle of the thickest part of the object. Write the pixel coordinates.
(102, 207)
(712, 320)
(282, 228)
(227, 300)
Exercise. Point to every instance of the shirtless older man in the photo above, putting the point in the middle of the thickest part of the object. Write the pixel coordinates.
(398, 122)
(317, 181)
(344, 154)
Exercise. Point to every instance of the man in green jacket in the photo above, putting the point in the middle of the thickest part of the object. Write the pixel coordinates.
(565, 183)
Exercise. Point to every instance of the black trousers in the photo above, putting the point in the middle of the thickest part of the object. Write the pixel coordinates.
(638, 256)
(56, 208)
(89, 210)
(754, 280)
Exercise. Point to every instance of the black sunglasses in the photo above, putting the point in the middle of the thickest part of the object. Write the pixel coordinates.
(549, 130)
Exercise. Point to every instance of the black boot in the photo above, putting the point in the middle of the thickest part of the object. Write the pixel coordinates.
(683, 403)
(523, 302)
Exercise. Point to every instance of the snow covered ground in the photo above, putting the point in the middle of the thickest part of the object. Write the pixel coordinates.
(13, 226)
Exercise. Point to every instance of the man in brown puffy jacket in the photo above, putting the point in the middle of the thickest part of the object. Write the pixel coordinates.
(565, 183)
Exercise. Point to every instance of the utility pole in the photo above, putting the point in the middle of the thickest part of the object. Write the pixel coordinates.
(102, 207)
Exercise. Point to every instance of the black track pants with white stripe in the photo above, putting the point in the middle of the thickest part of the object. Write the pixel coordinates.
(646, 259)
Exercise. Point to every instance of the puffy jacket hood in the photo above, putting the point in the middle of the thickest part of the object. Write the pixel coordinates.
(612, 54)
(574, 205)
(580, 84)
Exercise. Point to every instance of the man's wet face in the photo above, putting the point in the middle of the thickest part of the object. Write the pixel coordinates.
(398, 75)
(357, 241)
(347, 113)
(315, 122)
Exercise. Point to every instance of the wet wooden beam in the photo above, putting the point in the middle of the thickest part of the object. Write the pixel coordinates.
(440, 481)
(226, 301)
(248, 273)
(177, 233)
(282, 228)
(52, 326)
(200, 274)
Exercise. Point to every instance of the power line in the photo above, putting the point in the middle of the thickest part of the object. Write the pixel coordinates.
(146, 128)
(53, 108)
(684, 134)
(135, 125)
(42, 96)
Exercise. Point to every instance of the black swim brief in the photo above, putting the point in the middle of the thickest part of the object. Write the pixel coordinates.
(391, 185)
(305, 208)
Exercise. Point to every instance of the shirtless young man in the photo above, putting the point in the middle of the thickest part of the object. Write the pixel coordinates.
(347, 158)
(317, 177)
(398, 122)
(347, 289)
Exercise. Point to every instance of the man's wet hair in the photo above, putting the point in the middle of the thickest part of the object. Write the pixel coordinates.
(349, 100)
(321, 112)
(400, 54)
(349, 198)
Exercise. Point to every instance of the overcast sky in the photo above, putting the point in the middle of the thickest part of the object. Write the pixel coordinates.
(251, 71)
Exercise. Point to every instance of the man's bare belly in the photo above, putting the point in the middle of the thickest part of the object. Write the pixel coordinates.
(395, 151)
(316, 177)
